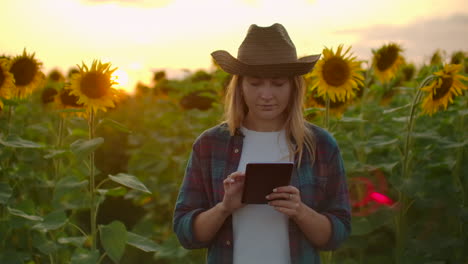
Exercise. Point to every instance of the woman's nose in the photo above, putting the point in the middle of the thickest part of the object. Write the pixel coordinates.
(266, 92)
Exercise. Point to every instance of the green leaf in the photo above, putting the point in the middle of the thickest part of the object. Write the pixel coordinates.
(312, 110)
(114, 124)
(76, 241)
(115, 192)
(83, 147)
(141, 242)
(70, 110)
(457, 145)
(5, 192)
(84, 256)
(52, 221)
(129, 181)
(388, 111)
(44, 245)
(113, 239)
(360, 226)
(14, 141)
(352, 120)
(17, 212)
(55, 153)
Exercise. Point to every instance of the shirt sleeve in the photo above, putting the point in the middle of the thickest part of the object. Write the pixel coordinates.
(337, 205)
(191, 201)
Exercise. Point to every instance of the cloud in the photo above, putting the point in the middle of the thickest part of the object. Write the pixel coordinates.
(419, 39)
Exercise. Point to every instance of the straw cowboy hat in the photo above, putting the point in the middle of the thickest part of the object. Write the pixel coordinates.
(265, 52)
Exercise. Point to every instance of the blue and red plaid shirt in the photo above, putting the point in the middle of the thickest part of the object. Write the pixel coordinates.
(216, 154)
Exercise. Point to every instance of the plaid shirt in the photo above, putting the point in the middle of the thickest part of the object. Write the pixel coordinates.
(216, 154)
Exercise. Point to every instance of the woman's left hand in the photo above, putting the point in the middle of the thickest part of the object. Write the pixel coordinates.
(287, 200)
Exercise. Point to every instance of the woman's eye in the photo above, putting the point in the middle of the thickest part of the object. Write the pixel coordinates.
(255, 83)
(278, 84)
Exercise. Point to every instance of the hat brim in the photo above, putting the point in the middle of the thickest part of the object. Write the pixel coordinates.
(234, 66)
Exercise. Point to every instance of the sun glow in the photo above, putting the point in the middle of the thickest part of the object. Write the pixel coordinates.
(122, 80)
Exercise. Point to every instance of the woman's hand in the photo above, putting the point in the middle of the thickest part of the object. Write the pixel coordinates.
(287, 200)
(233, 188)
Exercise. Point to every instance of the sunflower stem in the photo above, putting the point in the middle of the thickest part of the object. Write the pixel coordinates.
(91, 183)
(11, 109)
(58, 161)
(327, 112)
(404, 201)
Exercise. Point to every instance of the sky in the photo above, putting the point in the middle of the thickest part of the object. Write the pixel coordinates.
(143, 36)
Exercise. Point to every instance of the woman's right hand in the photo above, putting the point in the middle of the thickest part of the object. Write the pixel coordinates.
(233, 188)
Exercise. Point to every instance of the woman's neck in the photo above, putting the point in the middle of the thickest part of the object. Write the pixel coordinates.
(263, 125)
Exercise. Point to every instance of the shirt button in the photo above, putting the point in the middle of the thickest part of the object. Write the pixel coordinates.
(228, 242)
(236, 150)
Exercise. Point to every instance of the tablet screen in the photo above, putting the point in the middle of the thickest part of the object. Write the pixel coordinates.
(262, 178)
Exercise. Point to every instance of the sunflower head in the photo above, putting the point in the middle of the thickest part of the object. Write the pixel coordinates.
(337, 75)
(386, 61)
(440, 92)
(27, 73)
(436, 58)
(48, 95)
(93, 86)
(56, 76)
(7, 82)
(408, 71)
(66, 100)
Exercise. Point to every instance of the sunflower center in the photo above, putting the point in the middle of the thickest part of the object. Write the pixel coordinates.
(336, 71)
(24, 70)
(388, 56)
(2, 78)
(48, 95)
(69, 99)
(94, 85)
(443, 89)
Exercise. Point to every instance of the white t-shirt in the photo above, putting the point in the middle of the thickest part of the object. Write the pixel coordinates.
(260, 232)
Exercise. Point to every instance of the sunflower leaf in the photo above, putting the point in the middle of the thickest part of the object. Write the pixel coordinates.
(141, 242)
(14, 141)
(113, 239)
(52, 221)
(76, 241)
(129, 181)
(391, 110)
(83, 147)
(353, 120)
(84, 256)
(70, 110)
(55, 153)
(17, 212)
(114, 124)
(5, 192)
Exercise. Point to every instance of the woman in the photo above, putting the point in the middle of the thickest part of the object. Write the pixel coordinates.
(264, 123)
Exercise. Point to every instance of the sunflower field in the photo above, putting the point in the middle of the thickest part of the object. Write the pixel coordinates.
(90, 174)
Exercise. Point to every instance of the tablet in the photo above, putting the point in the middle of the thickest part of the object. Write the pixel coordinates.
(262, 178)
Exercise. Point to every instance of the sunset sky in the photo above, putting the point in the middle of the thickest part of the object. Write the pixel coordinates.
(142, 36)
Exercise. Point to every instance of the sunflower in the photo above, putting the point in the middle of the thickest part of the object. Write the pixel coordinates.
(7, 82)
(27, 73)
(441, 91)
(66, 100)
(337, 107)
(436, 58)
(336, 75)
(93, 86)
(386, 61)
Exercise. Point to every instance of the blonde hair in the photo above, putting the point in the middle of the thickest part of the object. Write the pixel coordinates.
(297, 135)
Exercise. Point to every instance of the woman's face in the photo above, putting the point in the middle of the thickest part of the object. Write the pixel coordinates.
(266, 98)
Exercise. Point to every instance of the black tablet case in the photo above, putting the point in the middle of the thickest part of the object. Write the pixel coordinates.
(262, 178)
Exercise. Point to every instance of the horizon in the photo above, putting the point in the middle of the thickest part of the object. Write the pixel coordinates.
(141, 37)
